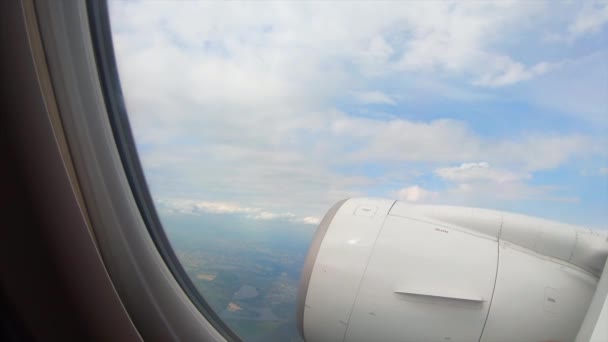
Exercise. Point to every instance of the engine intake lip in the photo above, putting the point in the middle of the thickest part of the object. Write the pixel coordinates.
(309, 262)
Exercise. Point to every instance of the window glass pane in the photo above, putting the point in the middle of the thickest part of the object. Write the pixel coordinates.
(252, 118)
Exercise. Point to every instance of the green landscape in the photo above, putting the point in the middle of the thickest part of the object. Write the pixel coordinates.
(247, 270)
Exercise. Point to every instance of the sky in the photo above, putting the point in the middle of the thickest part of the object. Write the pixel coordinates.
(277, 110)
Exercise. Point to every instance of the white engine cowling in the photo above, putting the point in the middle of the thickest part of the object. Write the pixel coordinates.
(381, 270)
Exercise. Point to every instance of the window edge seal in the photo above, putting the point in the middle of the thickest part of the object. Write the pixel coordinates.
(103, 48)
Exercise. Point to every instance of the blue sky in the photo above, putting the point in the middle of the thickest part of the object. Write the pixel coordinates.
(277, 110)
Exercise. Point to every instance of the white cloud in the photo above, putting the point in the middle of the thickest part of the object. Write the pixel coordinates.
(214, 53)
(576, 89)
(235, 102)
(603, 171)
(479, 184)
(492, 194)
(482, 171)
(302, 175)
(592, 17)
(311, 220)
(456, 38)
(483, 193)
(279, 179)
(194, 207)
(585, 18)
(374, 58)
(220, 207)
(452, 140)
(449, 36)
(374, 97)
(415, 193)
(546, 151)
(507, 72)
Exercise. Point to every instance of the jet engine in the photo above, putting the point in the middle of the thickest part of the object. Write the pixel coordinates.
(382, 270)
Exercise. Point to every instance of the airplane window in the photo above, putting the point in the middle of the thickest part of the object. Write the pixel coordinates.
(252, 119)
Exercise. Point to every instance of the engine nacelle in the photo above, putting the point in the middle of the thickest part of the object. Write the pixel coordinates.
(380, 270)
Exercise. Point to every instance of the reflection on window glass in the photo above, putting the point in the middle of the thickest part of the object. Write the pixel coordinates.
(252, 119)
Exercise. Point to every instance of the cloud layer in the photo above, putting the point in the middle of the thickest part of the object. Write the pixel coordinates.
(194, 207)
(290, 107)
